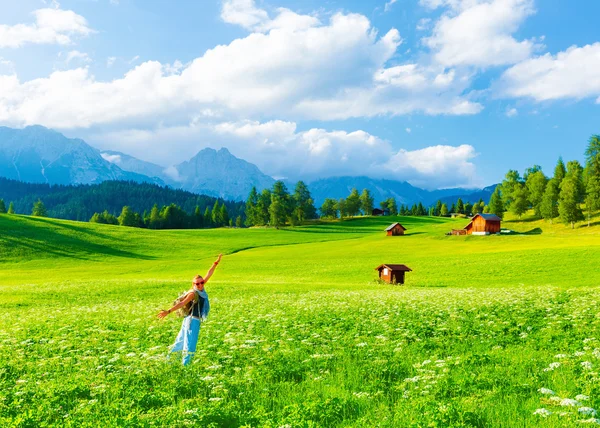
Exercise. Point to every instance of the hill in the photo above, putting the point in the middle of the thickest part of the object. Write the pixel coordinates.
(82, 201)
(300, 332)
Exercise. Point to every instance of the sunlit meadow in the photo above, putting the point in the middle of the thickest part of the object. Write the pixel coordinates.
(488, 331)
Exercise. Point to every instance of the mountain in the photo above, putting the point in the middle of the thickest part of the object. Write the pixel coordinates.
(403, 192)
(131, 164)
(220, 174)
(39, 155)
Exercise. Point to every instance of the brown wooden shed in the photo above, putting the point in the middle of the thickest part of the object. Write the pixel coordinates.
(392, 273)
(395, 229)
(483, 224)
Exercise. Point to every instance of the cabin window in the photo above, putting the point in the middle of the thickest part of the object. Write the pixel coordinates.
(386, 271)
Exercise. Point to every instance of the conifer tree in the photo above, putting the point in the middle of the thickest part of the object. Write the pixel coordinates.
(11, 208)
(262, 214)
(216, 215)
(304, 207)
(496, 205)
(208, 217)
(575, 171)
(468, 208)
(453, 209)
(592, 198)
(444, 210)
(438, 208)
(198, 217)
(366, 202)
(39, 210)
(224, 215)
(2, 207)
(559, 171)
(568, 201)
(238, 221)
(549, 204)
(251, 207)
(460, 206)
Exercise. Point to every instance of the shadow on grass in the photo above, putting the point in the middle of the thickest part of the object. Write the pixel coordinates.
(534, 231)
(73, 228)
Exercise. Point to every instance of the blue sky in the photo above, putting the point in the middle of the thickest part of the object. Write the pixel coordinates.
(438, 92)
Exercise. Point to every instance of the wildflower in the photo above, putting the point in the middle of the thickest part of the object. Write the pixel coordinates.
(586, 365)
(362, 344)
(546, 391)
(590, 421)
(543, 412)
(131, 354)
(215, 399)
(587, 411)
(559, 356)
(569, 402)
(582, 397)
(551, 367)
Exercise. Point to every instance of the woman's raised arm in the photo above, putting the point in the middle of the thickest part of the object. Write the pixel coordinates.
(212, 269)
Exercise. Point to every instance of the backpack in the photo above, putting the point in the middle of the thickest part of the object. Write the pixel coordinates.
(185, 310)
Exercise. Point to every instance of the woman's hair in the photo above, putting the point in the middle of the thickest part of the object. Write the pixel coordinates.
(198, 277)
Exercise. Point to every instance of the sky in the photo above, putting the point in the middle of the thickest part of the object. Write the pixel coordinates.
(441, 93)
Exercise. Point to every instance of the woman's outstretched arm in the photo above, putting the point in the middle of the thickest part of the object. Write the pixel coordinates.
(188, 298)
(212, 269)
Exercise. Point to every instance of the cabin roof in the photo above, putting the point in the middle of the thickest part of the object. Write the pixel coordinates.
(394, 225)
(394, 267)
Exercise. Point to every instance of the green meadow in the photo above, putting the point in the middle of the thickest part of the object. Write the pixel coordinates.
(488, 331)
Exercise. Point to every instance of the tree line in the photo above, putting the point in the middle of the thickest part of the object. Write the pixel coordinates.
(355, 204)
(560, 196)
(278, 207)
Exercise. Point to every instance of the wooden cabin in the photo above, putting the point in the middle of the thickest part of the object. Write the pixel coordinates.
(483, 224)
(395, 229)
(392, 273)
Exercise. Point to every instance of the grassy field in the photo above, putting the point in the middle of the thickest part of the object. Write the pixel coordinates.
(489, 331)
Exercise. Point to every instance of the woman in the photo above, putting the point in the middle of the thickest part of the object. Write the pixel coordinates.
(187, 339)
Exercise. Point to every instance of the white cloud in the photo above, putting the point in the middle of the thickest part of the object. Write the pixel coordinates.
(479, 32)
(110, 61)
(408, 130)
(77, 56)
(423, 24)
(511, 112)
(52, 26)
(388, 5)
(278, 149)
(574, 73)
(245, 14)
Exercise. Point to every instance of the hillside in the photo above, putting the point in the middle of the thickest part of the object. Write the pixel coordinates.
(300, 332)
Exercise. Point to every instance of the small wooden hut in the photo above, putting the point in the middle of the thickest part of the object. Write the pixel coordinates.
(379, 212)
(483, 224)
(392, 273)
(395, 229)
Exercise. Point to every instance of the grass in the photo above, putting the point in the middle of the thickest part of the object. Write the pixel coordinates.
(300, 332)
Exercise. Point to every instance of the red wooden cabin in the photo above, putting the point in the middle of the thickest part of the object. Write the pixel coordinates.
(392, 273)
(483, 224)
(395, 229)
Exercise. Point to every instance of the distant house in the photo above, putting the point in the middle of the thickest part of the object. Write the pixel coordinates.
(483, 224)
(378, 212)
(392, 273)
(395, 229)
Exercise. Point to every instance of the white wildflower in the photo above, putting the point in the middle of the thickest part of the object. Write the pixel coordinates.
(590, 421)
(546, 391)
(587, 411)
(586, 365)
(569, 402)
(215, 399)
(582, 397)
(543, 412)
(551, 367)
(362, 344)
(559, 356)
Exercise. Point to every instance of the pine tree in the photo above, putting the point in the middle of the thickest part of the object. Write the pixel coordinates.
(453, 209)
(592, 199)
(460, 207)
(366, 202)
(278, 211)
(303, 203)
(154, 220)
(560, 171)
(39, 210)
(224, 215)
(549, 204)
(251, 208)
(11, 208)
(536, 184)
(353, 203)
(262, 208)
(208, 217)
(568, 202)
(2, 207)
(438, 208)
(444, 210)
(238, 221)
(198, 218)
(421, 209)
(216, 215)
(496, 205)
(468, 208)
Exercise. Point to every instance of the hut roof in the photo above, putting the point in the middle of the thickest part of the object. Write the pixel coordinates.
(394, 267)
(394, 225)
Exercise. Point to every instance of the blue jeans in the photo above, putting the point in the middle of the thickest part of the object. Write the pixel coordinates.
(187, 339)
